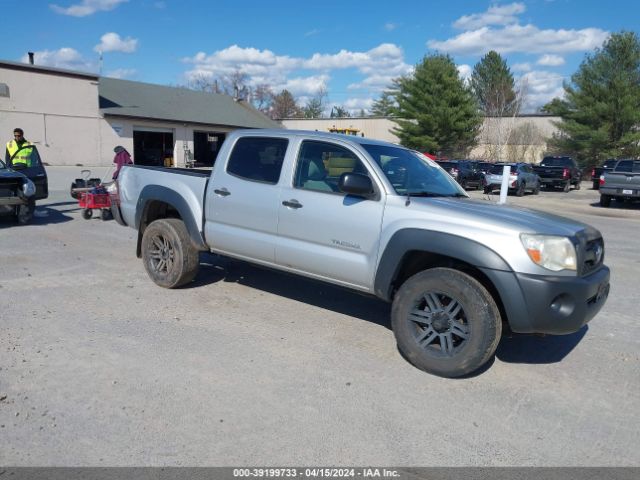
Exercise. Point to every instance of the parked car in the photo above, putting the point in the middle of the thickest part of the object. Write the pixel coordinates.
(562, 172)
(483, 167)
(597, 172)
(17, 194)
(521, 178)
(21, 185)
(34, 171)
(379, 219)
(464, 172)
(622, 183)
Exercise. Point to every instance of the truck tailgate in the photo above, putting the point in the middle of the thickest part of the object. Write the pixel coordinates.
(190, 184)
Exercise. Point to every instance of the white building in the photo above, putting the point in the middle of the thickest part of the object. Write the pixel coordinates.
(78, 118)
(521, 138)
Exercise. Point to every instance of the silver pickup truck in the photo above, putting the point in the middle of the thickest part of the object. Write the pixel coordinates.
(380, 219)
(622, 183)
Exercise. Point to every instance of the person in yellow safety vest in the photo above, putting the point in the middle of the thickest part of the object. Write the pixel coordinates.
(24, 156)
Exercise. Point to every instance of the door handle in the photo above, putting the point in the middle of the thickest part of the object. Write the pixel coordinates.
(292, 204)
(223, 192)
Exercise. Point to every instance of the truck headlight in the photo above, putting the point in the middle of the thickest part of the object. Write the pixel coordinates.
(28, 188)
(552, 252)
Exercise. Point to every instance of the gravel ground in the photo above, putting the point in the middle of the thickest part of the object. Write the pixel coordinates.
(246, 366)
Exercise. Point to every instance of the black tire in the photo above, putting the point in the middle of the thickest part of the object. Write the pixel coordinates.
(169, 257)
(487, 190)
(577, 186)
(87, 213)
(520, 190)
(24, 213)
(605, 200)
(463, 184)
(596, 184)
(105, 214)
(567, 186)
(536, 189)
(461, 306)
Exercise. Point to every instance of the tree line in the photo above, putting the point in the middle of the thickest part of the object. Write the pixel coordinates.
(438, 112)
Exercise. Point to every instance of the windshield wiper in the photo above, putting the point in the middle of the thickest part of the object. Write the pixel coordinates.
(425, 194)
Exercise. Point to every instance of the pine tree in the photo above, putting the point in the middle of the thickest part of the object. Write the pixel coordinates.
(384, 106)
(603, 103)
(492, 85)
(436, 111)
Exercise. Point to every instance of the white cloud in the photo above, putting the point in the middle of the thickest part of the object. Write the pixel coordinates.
(378, 66)
(87, 7)
(111, 42)
(519, 38)
(121, 73)
(67, 58)
(521, 67)
(495, 15)
(313, 32)
(541, 87)
(465, 71)
(304, 86)
(551, 60)
(390, 27)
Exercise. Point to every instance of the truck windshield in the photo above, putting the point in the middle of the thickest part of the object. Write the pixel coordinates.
(556, 162)
(412, 173)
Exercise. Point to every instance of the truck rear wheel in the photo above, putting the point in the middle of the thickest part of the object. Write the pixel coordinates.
(445, 322)
(605, 200)
(567, 186)
(169, 257)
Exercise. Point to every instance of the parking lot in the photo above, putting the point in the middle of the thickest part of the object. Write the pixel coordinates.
(246, 366)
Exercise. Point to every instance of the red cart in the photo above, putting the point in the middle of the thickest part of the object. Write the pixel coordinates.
(91, 200)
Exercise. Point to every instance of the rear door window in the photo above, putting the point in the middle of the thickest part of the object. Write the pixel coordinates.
(258, 159)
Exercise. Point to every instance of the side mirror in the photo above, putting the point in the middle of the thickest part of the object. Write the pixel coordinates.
(355, 184)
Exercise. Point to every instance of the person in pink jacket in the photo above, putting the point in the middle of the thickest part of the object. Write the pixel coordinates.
(122, 158)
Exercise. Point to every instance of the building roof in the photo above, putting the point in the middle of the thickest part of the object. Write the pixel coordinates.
(27, 67)
(125, 98)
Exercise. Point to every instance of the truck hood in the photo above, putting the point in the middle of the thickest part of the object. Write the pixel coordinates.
(8, 173)
(495, 216)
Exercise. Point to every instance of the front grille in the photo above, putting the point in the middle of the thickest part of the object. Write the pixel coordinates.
(593, 256)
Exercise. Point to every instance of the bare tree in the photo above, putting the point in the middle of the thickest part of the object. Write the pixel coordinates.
(523, 143)
(285, 106)
(498, 125)
(262, 98)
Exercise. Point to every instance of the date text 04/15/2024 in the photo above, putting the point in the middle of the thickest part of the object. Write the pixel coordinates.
(315, 472)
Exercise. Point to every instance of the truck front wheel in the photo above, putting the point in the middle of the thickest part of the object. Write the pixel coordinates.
(445, 322)
(168, 254)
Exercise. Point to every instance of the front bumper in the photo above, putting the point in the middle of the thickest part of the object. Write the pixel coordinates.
(551, 304)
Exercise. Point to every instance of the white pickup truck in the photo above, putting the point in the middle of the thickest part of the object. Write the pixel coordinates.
(380, 219)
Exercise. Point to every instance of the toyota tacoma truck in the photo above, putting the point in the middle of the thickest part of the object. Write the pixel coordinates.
(621, 184)
(379, 219)
(559, 172)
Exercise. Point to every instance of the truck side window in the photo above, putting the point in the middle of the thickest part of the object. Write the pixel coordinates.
(258, 158)
(320, 165)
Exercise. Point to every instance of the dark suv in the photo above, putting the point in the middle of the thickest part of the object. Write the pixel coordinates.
(465, 172)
